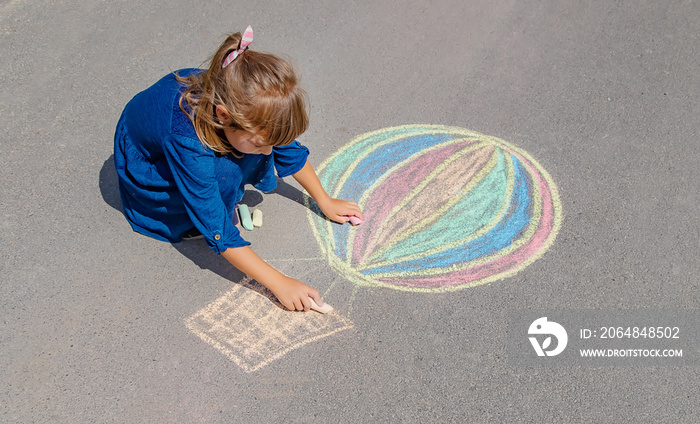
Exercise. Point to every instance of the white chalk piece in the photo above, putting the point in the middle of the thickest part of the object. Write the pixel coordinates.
(322, 309)
(257, 218)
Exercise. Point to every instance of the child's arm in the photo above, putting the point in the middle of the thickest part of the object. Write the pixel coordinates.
(335, 209)
(293, 294)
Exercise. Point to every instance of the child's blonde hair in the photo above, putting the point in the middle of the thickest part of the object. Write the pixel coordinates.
(260, 92)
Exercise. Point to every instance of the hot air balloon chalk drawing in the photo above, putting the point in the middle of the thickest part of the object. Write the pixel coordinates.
(445, 208)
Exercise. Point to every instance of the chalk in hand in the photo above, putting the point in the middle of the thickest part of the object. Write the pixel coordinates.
(322, 309)
(355, 220)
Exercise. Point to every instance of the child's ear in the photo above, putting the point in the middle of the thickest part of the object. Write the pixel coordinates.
(221, 113)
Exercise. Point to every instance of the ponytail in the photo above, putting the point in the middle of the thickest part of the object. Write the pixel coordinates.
(259, 90)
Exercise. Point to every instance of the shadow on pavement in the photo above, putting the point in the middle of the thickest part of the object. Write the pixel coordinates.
(201, 255)
(197, 251)
(109, 185)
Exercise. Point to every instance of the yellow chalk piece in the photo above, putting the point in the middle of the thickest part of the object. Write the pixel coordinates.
(257, 218)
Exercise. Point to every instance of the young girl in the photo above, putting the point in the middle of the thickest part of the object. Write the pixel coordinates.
(186, 147)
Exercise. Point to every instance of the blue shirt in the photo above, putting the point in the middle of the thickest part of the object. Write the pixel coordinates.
(170, 182)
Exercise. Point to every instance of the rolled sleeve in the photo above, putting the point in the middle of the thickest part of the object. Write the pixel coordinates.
(193, 169)
(290, 159)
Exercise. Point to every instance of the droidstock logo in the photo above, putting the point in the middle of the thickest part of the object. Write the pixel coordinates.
(551, 329)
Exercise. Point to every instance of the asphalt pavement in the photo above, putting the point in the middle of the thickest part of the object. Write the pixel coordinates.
(101, 324)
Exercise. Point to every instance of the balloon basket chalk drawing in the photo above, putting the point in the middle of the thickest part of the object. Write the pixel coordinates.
(445, 209)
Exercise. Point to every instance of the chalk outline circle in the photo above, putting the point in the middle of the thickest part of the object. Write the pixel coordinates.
(363, 280)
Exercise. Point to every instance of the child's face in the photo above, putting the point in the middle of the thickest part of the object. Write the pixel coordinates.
(248, 142)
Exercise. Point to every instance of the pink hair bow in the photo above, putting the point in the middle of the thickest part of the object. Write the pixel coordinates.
(245, 42)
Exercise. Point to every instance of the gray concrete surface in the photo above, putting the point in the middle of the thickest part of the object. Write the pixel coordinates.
(92, 316)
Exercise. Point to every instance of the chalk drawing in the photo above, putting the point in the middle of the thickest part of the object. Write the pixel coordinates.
(245, 325)
(445, 209)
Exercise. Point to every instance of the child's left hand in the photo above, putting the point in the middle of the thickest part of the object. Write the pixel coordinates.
(339, 210)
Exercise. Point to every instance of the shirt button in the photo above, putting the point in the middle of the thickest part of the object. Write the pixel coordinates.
(217, 237)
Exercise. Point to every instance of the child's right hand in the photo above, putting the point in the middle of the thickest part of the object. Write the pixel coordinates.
(294, 294)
